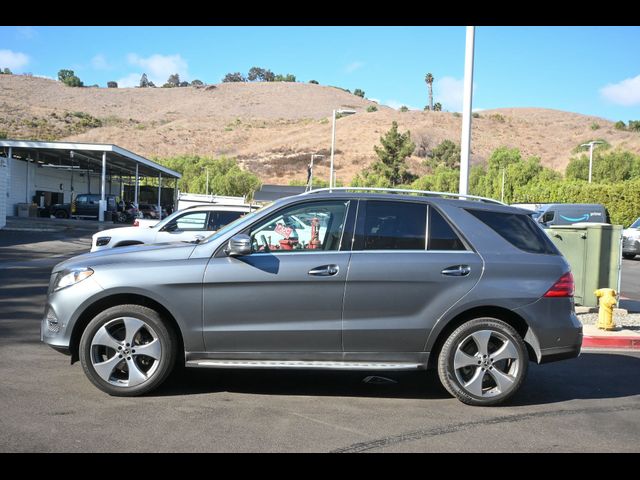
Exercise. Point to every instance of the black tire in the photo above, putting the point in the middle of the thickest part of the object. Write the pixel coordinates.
(462, 338)
(629, 256)
(60, 214)
(154, 328)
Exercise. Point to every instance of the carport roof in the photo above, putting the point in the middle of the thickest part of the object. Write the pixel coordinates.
(88, 155)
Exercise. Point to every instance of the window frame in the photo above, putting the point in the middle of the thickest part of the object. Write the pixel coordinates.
(346, 239)
(358, 241)
(175, 221)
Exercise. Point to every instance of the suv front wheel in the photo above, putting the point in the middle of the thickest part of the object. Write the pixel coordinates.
(483, 362)
(127, 350)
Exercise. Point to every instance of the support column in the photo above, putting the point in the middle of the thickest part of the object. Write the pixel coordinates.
(27, 189)
(159, 195)
(103, 181)
(175, 195)
(135, 190)
(9, 158)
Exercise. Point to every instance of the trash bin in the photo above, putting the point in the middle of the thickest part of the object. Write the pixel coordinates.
(23, 209)
(594, 252)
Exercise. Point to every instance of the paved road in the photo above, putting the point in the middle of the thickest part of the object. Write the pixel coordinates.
(589, 404)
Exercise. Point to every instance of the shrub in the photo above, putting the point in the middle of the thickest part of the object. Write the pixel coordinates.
(634, 125)
(315, 82)
(457, 114)
(372, 108)
(497, 117)
(476, 115)
(595, 126)
(620, 125)
(112, 84)
(197, 83)
(404, 108)
(359, 93)
(285, 78)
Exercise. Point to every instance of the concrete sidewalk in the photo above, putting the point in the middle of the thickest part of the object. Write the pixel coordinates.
(620, 338)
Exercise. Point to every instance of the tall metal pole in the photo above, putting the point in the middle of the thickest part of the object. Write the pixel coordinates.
(103, 181)
(502, 195)
(465, 142)
(159, 195)
(207, 180)
(333, 144)
(590, 160)
(135, 190)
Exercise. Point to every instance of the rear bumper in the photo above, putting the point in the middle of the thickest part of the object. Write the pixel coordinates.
(560, 353)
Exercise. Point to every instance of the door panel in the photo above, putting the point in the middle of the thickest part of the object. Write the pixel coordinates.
(269, 302)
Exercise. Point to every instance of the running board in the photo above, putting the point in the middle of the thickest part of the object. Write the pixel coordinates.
(302, 364)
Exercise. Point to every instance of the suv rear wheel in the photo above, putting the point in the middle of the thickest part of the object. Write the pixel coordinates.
(483, 362)
(127, 350)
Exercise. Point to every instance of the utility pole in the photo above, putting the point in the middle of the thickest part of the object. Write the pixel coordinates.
(590, 145)
(310, 179)
(502, 195)
(465, 142)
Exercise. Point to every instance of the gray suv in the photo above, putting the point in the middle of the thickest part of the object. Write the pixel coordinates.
(345, 279)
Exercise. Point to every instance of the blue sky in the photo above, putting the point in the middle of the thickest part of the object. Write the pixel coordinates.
(591, 70)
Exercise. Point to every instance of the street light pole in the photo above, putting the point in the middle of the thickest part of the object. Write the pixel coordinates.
(333, 141)
(590, 145)
(465, 141)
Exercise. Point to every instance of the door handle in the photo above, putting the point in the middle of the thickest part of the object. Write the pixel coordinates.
(457, 271)
(324, 271)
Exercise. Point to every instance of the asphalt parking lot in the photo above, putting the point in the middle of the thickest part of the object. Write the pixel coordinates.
(589, 404)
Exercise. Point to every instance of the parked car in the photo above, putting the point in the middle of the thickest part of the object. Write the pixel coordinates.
(149, 211)
(85, 205)
(127, 212)
(184, 225)
(474, 289)
(631, 240)
(569, 213)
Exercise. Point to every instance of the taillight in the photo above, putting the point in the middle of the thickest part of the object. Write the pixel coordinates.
(136, 223)
(564, 287)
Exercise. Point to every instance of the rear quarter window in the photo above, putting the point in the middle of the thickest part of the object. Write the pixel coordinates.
(518, 229)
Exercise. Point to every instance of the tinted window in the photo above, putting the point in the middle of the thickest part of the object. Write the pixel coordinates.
(395, 226)
(81, 199)
(441, 235)
(309, 226)
(517, 229)
(217, 220)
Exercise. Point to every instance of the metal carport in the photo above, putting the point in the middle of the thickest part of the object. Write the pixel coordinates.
(105, 160)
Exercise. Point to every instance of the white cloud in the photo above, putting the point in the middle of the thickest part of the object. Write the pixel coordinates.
(626, 92)
(131, 80)
(99, 62)
(353, 66)
(13, 60)
(159, 67)
(448, 91)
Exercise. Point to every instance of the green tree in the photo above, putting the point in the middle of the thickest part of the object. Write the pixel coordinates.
(358, 92)
(144, 81)
(6, 71)
(315, 82)
(392, 154)
(437, 107)
(112, 84)
(234, 77)
(372, 108)
(447, 153)
(285, 78)
(404, 108)
(428, 78)
(69, 78)
(174, 80)
(620, 125)
(634, 125)
(197, 83)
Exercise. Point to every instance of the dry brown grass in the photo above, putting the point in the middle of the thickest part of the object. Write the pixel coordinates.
(273, 128)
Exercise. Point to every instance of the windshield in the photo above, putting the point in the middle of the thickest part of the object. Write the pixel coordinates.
(636, 224)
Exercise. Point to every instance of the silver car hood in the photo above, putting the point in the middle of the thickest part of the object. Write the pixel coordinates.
(130, 254)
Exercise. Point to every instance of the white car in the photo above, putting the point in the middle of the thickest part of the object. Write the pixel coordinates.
(194, 223)
(631, 240)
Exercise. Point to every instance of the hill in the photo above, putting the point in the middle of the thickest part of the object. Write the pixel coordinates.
(273, 128)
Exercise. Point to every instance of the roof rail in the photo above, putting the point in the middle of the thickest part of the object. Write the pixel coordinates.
(403, 191)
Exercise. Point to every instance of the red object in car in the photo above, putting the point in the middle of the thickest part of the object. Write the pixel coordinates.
(136, 223)
(288, 243)
(564, 287)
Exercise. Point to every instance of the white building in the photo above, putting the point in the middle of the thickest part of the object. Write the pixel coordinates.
(44, 173)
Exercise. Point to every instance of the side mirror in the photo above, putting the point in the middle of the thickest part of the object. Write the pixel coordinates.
(239, 245)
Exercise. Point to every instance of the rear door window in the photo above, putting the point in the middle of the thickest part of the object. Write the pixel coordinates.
(217, 220)
(518, 229)
(394, 226)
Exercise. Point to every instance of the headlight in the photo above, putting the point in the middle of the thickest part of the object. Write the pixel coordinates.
(102, 241)
(67, 278)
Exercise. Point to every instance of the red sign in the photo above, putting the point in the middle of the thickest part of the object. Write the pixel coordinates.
(284, 231)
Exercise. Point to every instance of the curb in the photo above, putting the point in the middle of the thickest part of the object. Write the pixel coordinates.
(626, 342)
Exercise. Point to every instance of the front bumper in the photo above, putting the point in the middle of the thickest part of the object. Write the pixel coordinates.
(62, 311)
(630, 245)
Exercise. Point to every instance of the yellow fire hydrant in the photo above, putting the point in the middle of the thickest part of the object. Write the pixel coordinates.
(607, 300)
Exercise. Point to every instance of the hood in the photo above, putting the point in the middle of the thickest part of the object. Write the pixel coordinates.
(631, 232)
(132, 254)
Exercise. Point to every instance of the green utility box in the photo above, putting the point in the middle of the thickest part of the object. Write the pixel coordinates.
(594, 251)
